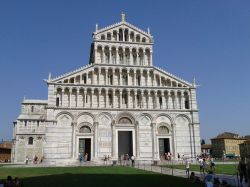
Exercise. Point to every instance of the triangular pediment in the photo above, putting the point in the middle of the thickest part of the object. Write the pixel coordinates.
(171, 80)
(125, 26)
(73, 75)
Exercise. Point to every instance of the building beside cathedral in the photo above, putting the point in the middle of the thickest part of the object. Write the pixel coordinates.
(118, 104)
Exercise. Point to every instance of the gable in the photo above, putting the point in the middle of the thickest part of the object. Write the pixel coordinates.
(167, 79)
(76, 75)
(117, 31)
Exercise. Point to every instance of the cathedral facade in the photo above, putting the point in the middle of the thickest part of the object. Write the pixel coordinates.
(118, 104)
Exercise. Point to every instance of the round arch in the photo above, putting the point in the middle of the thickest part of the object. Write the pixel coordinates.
(165, 115)
(125, 115)
(65, 112)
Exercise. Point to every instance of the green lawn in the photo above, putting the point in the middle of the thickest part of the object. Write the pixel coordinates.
(92, 176)
(230, 169)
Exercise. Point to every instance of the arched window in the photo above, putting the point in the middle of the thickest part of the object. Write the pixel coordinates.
(57, 101)
(114, 35)
(138, 38)
(109, 36)
(103, 37)
(32, 108)
(160, 101)
(126, 34)
(143, 40)
(124, 98)
(110, 79)
(85, 129)
(124, 79)
(120, 35)
(110, 99)
(163, 130)
(138, 79)
(187, 106)
(30, 141)
(132, 37)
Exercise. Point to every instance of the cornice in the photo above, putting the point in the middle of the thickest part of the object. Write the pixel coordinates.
(123, 109)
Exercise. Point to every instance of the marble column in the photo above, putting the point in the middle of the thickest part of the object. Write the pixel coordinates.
(182, 101)
(137, 147)
(114, 156)
(85, 98)
(96, 140)
(73, 148)
(154, 156)
(120, 99)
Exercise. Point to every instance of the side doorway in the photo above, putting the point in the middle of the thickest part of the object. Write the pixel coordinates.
(85, 147)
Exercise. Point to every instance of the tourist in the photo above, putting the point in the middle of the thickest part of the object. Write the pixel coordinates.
(187, 164)
(27, 160)
(35, 159)
(209, 179)
(80, 157)
(86, 157)
(17, 182)
(212, 164)
(9, 182)
(204, 166)
(217, 182)
(105, 159)
(179, 156)
(242, 168)
(169, 156)
(194, 178)
(133, 160)
(248, 169)
(42, 158)
(201, 165)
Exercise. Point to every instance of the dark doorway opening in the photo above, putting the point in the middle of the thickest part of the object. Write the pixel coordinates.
(164, 146)
(85, 147)
(125, 143)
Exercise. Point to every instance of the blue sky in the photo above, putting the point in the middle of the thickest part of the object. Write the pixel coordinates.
(208, 39)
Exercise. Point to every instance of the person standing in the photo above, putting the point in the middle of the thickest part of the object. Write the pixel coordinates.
(242, 167)
(133, 160)
(27, 160)
(212, 164)
(80, 158)
(86, 157)
(187, 164)
(248, 170)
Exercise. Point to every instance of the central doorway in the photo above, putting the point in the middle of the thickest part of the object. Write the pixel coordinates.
(125, 143)
(85, 147)
(164, 146)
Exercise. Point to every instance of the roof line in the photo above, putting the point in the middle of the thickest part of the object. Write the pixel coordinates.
(162, 70)
(71, 72)
(121, 23)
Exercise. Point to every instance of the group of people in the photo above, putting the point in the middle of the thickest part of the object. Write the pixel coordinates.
(205, 163)
(36, 159)
(10, 182)
(126, 158)
(167, 156)
(83, 158)
(210, 180)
